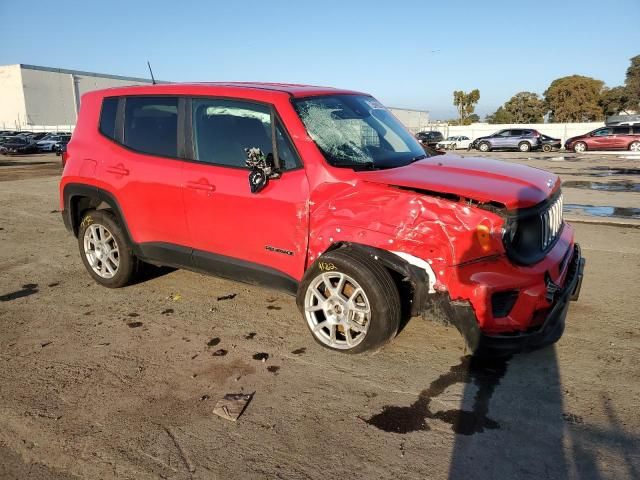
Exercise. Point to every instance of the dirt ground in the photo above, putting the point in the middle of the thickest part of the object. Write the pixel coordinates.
(99, 383)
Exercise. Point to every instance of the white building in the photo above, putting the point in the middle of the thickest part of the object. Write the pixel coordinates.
(415, 120)
(41, 96)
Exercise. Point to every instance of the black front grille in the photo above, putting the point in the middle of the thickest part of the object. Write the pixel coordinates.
(532, 232)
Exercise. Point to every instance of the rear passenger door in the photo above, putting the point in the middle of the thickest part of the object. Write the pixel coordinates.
(234, 232)
(621, 137)
(141, 168)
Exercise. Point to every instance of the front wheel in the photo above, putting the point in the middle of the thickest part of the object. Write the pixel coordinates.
(580, 147)
(634, 147)
(484, 147)
(524, 147)
(349, 301)
(105, 251)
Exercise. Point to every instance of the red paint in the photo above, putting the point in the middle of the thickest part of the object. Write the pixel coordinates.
(308, 210)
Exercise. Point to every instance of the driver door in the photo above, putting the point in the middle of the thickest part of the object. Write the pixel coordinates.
(234, 232)
(601, 138)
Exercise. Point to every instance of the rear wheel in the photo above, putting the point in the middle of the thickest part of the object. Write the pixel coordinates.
(484, 147)
(580, 147)
(105, 251)
(524, 146)
(634, 147)
(350, 302)
(546, 148)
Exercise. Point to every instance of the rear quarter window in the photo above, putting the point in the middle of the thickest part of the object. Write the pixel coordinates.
(108, 117)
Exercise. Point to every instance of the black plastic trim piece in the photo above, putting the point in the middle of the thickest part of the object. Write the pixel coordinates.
(73, 219)
(417, 277)
(244, 271)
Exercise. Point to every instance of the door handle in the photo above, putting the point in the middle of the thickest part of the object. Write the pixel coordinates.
(118, 170)
(202, 184)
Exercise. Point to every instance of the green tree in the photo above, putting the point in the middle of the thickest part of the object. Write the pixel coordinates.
(499, 116)
(526, 107)
(465, 103)
(473, 118)
(632, 84)
(615, 100)
(574, 99)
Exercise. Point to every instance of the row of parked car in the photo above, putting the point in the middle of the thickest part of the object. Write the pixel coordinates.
(618, 137)
(32, 142)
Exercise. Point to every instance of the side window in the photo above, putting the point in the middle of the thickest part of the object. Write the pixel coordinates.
(504, 133)
(603, 132)
(517, 133)
(621, 130)
(151, 125)
(636, 130)
(108, 116)
(223, 129)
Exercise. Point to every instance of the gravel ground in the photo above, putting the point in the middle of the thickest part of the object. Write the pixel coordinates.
(99, 383)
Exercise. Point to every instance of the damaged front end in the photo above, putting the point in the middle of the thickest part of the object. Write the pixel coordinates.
(463, 262)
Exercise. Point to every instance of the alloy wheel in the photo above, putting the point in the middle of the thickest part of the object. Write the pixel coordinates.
(337, 310)
(101, 250)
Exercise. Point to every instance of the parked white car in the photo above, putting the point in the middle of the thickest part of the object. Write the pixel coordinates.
(451, 143)
(49, 143)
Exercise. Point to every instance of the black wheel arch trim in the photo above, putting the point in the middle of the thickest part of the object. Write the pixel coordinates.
(417, 278)
(71, 216)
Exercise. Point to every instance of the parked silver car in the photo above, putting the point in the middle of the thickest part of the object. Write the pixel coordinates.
(523, 139)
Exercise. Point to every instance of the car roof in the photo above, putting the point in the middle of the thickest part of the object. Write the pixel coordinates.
(290, 89)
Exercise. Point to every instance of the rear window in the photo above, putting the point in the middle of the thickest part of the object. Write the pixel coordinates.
(151, 125)
(108, 117)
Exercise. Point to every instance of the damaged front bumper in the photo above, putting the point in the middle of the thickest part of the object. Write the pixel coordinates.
(462, 315)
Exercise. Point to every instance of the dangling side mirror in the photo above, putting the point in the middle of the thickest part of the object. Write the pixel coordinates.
(262, 169)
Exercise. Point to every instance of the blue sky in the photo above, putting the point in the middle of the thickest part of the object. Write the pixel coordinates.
(406, 53)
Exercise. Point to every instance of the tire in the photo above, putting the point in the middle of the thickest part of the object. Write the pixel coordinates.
(524, 146)
(546, 148)
(453, 146)
(369, 319)
(580, 147)
(634, 146)
(121, 265)
(484, 147)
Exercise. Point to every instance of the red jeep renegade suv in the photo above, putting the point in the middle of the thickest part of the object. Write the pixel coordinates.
(322, 193)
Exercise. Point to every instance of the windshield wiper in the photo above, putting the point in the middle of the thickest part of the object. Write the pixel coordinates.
(356, 165)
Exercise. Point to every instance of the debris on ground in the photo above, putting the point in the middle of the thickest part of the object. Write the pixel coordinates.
(232, 405)
(174, 297)
(261, 356)
(213, 342)
(220, 353)
(231, 296)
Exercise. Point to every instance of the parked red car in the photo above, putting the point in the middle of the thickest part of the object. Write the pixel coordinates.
(324, 194)
(621, 137)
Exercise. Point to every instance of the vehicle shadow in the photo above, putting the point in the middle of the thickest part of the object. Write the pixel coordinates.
(149, 272)
(527, 431)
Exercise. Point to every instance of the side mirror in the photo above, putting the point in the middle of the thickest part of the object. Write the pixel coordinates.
(262, 169)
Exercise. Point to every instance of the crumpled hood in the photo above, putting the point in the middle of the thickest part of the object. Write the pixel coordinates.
(481, 179)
